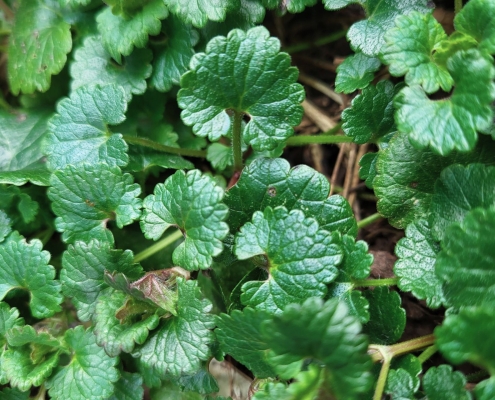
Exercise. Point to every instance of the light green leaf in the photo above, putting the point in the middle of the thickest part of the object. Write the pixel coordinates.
(172, 54)
(465, 263)
(120, 35)
(246, 73)
(39, 43)
(371, 114)
(447, 48)
(24, 265)
(89, 375)
(115, 335)
(181, 343)
(93, 65)
(239, 335)
(128, 387)
(84, 265)
(415, 266)
(86, 197)
(468, 337)
(271, 182)
(450, 124)
(198, 12)
(485, 390)
(21, 159)
(387, 317)
(325, 332)
(400, 385)
(409, 48)
(5, 225)
(192, 202)
(441, 383)
(301, 258)
(356, 72)
(459, 190)
(126, 8)
(79, 132)
(219, 155)
(477, 19)
(406, 177)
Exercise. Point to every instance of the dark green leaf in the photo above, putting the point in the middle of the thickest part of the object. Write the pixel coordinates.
(128, 387)
(5, 225)
(367, 170)
(13, 394)
(356, 72)
(9, 318)
(441, 383)
(202, 382)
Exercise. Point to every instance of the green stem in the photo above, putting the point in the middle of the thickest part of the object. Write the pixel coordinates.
(320, 42)
(334, 130)
(382, 378)
(457, 6)
(427, 353)
(161, 147)
(303, 140)
(369, 220)
(237, 140)
(375, 282)
(166, 241)
(477, 376)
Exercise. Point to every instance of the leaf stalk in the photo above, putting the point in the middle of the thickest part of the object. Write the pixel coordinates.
(303, 140)
(375, 282)
(369, 220)
(160, 245)
(163, 148)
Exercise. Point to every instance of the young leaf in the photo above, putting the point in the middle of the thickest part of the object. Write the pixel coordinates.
(172, 54)
(465, 263)
(271, 182)
(128, 387)
(450, 124)
(387, 317)
(9, 318)
(193, 202)
(93, 65)
(198, 12)
(356, 72)
(24, 265)
(219, 156)
(400, 384)
(441, 383)
(83, 270)
(114, 335)
(120, 35)
(485, 390)
(477, 19)
(38, 48)
(244, 73)
(181, 342)
(5, 225)
(86, 197)
(468, 337)
(371, 114)
(447, 48)
(459, 190)
(22, 159)
(89, 375)
(409, 48)
(325, 332)
(79, 132)
(239, 335)
(415, 266)
(367, 36)
(300, 257)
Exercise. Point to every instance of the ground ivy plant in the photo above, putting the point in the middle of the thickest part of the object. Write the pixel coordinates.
(136, 246)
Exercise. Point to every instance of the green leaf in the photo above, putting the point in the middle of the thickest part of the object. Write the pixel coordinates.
(371, 114)
(325, 332)
(84, 265)
(126, 8)
(9, 318)
(409, 48)
(465, 263)
(86, 197)
(172, 54)
(198, 12)
(128, 387)
(220, 156)
(13, 394)
(24, 265)
(451, 123)
(21, 135)
(400, 385)
(356, 72)
(120, 35)
(202, 382)
(90, 374)
(79, 132)
(406, 177)
(301, 258)
(193, 203)
(271, 182)
(26, 334)
(367, 170)
(93, 65)
(415, 267)
(39, 43)
(459, 190)
(387, 317)
(441, 383)
(245, 73)
(447, 48)
(5, 225)
(477, 19)
(181, 342)
(239, 335)
(485, 390)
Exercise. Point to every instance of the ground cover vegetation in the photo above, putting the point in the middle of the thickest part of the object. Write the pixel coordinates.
(151, 221)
